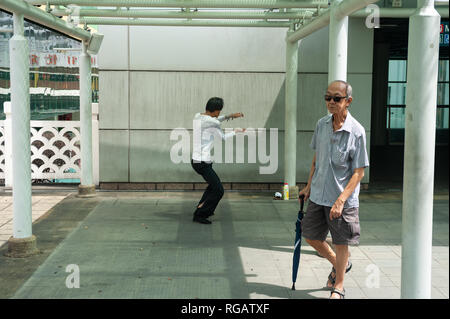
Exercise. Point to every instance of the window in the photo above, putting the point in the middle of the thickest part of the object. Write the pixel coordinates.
(396, 102)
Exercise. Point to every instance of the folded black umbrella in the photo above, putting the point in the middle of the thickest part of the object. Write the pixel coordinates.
(298, 242)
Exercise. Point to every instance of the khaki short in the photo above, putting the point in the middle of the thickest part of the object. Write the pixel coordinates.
(344, 230)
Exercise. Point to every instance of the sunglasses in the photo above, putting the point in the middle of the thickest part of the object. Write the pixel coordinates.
(336, 99)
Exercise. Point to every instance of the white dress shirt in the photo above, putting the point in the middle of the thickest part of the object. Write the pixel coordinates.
(205, 128)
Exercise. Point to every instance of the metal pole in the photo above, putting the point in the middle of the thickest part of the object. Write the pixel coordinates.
(420, 129)
(189, 23)
(40, 16)
(23, 243)
(87, 187)
(290, 122)
(344, 9)
(264, 4)
(176, 14)
(21, 149)
(338, 39)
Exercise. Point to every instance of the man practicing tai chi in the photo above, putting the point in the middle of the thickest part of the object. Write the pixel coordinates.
(201, 162)
(333, 185)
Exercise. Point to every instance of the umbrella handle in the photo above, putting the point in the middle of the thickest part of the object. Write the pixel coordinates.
(302, 201)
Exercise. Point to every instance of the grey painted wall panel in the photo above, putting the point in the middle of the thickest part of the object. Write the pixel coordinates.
(163, 100)
(361, 107)
(113, 106)
(113, 53)
(313, 50)
(360, 46)
(207, 49)
(150, 161)
(114, 155)
(174, 71)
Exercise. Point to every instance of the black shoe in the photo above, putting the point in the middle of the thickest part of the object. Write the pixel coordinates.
(201, 220)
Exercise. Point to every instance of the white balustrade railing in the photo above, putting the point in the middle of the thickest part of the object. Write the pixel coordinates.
(55, 148)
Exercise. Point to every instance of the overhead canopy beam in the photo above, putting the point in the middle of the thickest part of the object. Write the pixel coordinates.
(298, 14)
(344, 9)
(397, 12)
(145, 13)
(189, 23)
(44, 18)
(263, 4)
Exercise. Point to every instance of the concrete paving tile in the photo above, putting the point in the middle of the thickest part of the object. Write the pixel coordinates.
(371, 280)
(384, 255)
(266, 279)
(349, 282)
(311, 292)
(439, 281)
(6, 231)
(304, 272)
(439, 272)
(262, 291)
(305, 282)
(308, 292)
(382, 293)
(397, 280)
(437, 294)
(4, 221)
(391, 271)
(356, 253)
(354, 292)
(444, 292)
(238, 256)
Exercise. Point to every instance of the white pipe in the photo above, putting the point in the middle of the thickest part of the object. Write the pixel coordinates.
(420, 130)
(345, 8)
(338, 39)
(40, 16)
(311, 27)
(265, 4)
(133, 13)
(189, 23)
(86, 117)
(21, 149)
(290, 119)
(397, 13)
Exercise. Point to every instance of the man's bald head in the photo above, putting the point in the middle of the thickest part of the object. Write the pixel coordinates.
(347, 88)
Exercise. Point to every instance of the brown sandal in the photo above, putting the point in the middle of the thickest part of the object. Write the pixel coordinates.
(341, 293)
(332, 279)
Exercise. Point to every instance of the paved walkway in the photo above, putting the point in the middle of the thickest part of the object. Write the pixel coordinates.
(145, 245)
(41, 204)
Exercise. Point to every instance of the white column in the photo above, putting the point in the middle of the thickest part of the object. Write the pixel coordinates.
(87, 180)
(338, 39)
(420, 129)
(8, 144)
(21, 150)
(95, 144)
(290, 120)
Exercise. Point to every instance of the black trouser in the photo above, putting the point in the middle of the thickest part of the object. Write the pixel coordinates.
(213, 192)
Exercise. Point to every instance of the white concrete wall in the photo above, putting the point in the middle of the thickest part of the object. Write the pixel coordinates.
(153, 79)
